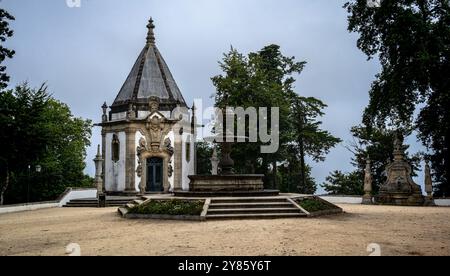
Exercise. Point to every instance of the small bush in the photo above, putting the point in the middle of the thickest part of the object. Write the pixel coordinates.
(175, 207)
(314, 205)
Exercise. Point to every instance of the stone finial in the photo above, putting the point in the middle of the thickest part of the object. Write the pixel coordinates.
(368, 179)
(428, 180)
(105, 110)
(151, 32)
(215, 163)
(98, 171)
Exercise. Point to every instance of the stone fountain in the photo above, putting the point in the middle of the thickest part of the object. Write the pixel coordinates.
(226, 182)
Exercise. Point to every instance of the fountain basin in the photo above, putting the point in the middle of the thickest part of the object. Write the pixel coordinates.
(226, 183)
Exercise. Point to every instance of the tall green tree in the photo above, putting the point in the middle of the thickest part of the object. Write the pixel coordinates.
(266, 79)
(310, 139)
(5, 33)
(412, 40)
(338, 183)
(39, 131)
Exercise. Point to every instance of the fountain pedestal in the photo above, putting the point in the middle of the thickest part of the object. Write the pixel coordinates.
(226, 183)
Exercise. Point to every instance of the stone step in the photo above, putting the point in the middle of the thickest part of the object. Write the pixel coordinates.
(250, 205)
(80, 206)
(94, 204)
(255, 216)
(249, 200)
(138, 201)
(253, 211)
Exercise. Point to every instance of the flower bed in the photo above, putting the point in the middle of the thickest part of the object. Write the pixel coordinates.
(174, 207)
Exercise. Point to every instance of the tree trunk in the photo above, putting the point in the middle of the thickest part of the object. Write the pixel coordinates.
(5, 187)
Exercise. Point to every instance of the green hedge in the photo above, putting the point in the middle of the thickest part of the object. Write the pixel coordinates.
(175, 207)
(314, 205)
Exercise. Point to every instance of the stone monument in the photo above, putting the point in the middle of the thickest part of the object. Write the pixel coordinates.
(215, 163)
(428, 184)
(99, 178)
(367, 198)
(400, 189)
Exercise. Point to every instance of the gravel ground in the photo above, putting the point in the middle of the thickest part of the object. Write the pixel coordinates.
(398, 231)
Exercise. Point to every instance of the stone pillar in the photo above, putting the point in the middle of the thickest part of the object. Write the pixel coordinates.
(104, 160)
(215, 163)
(98, 172)
(428, 185)
(130, 161)
(367, 198)
(178, 160)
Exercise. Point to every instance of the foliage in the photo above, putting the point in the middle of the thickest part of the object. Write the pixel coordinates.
(411, 39)
(314, 205)
(5, 33)
(291, 180)
(38, 130)
(204, 154)
(174, 207)
(266, 79)
(338, 183)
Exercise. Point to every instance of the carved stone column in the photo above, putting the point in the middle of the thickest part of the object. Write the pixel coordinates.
(104, 160)
(368, 179)
(98, 172)
(130, 160)
(178, 160)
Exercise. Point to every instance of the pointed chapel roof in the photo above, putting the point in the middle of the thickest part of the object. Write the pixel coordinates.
(150, 78)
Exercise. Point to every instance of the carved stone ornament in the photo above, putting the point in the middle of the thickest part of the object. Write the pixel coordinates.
(170, 171)
(153, 104)
(168, 146)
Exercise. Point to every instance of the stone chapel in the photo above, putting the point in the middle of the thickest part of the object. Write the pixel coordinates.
(148, 133)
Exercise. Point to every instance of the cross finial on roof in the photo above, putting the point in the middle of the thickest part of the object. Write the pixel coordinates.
(151, 33)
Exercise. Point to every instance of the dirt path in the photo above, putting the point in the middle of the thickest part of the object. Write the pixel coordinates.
(398, 230)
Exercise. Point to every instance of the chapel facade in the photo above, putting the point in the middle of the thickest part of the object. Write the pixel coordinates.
(148, 133)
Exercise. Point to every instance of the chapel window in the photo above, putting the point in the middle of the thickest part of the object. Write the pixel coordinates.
(115, 145)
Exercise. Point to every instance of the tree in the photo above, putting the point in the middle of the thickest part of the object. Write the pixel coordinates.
(204, 154)
(310, 139)
(411, 39)
(5, 33)
(266, 79)
(39, 130)
(339, 183)
(291, 175)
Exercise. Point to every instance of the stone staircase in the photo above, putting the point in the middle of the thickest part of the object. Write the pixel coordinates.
(93, 202)
(253, 208)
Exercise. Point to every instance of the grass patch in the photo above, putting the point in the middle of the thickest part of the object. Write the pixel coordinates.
(314, 205)
(174, 207)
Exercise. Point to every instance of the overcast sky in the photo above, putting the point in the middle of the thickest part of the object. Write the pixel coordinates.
(85, 54)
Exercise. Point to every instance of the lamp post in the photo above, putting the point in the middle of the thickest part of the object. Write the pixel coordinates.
(38, 169)
(28, 183)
